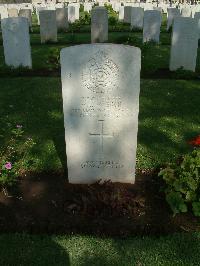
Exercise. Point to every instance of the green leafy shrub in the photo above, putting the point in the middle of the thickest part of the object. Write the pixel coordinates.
(15, 147)
(81, 8)
(183, 183)
(112, 15)
(85, 18)
(112, 21)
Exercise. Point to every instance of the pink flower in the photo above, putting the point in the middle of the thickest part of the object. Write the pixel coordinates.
(18, 126)
(8, 165)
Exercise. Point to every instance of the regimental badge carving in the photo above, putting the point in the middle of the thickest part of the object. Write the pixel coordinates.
(13, 27)
(100, 74)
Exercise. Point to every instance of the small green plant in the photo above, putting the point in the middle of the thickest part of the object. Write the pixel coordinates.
(112, 21)
(85, 18)
(183, 183)
(54, 59)
(13, 154)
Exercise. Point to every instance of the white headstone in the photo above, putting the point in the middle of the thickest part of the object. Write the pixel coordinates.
(71, 14)
(87, 7)
(76, 6)
(38, 9)
(12, 12)
(16, 42)
(62, 19)
(121, 13)
(127, 14)
(3, 12)
(100, 88)
(197, 18)
(116, 6)
(137, 16)
(99, 24)
(186, 12)
(48, 27)
(172, 14)
(184, 44)
(158, 8)
(27, 14)
(151, 26)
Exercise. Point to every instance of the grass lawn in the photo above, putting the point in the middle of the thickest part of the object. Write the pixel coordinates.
(23, 250)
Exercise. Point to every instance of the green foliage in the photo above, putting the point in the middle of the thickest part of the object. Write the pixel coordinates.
(176, 202)
(112, 20)
(13, 153)
(85, 18)
(196, 208)
(54, 59)
(183, 183)
(81, 8)
(181, 74)
(112, 15)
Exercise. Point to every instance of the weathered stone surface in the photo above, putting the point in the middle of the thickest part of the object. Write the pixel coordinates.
(87, 7)
(3, 12)
(137, 16)
(197, 18)
(27, 14)
(12, 12)
(184, 44)
(62, 18)
(100, 87)
(121, 13)
(48, 27)
(127, 14)
(76, 6)
(16, 42)
(38, 9)
(99, 24)
(151, 26)
(172, 14)
(186, 12)
(71, 14)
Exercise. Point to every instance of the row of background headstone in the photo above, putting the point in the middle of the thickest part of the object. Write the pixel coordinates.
(185, 34)
(124, 11)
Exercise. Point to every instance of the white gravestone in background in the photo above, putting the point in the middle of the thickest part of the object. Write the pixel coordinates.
(172, 13)
(121, 13)
(100, 88)
(197, 18)
(151, 26)
(62, 19)
(87, 7)
(137, 15)
(99, 24)
(186, 12)
(38, 9)
(158, 8)
(3, 12)
(16, 42)
(48, 27)
(76, 6)
(184, 44)
(27, 14)
(71, 14)
(12, 12)
(127, 14)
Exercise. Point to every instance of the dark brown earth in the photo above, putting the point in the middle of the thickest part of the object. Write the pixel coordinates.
(47, 203)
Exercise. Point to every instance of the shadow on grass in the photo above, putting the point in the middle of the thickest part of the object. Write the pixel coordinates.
(31, 250)
(179, 249)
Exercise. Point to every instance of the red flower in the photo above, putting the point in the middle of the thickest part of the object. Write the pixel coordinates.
(195, 141)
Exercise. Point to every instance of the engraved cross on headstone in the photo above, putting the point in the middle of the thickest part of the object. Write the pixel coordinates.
(101, 135)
